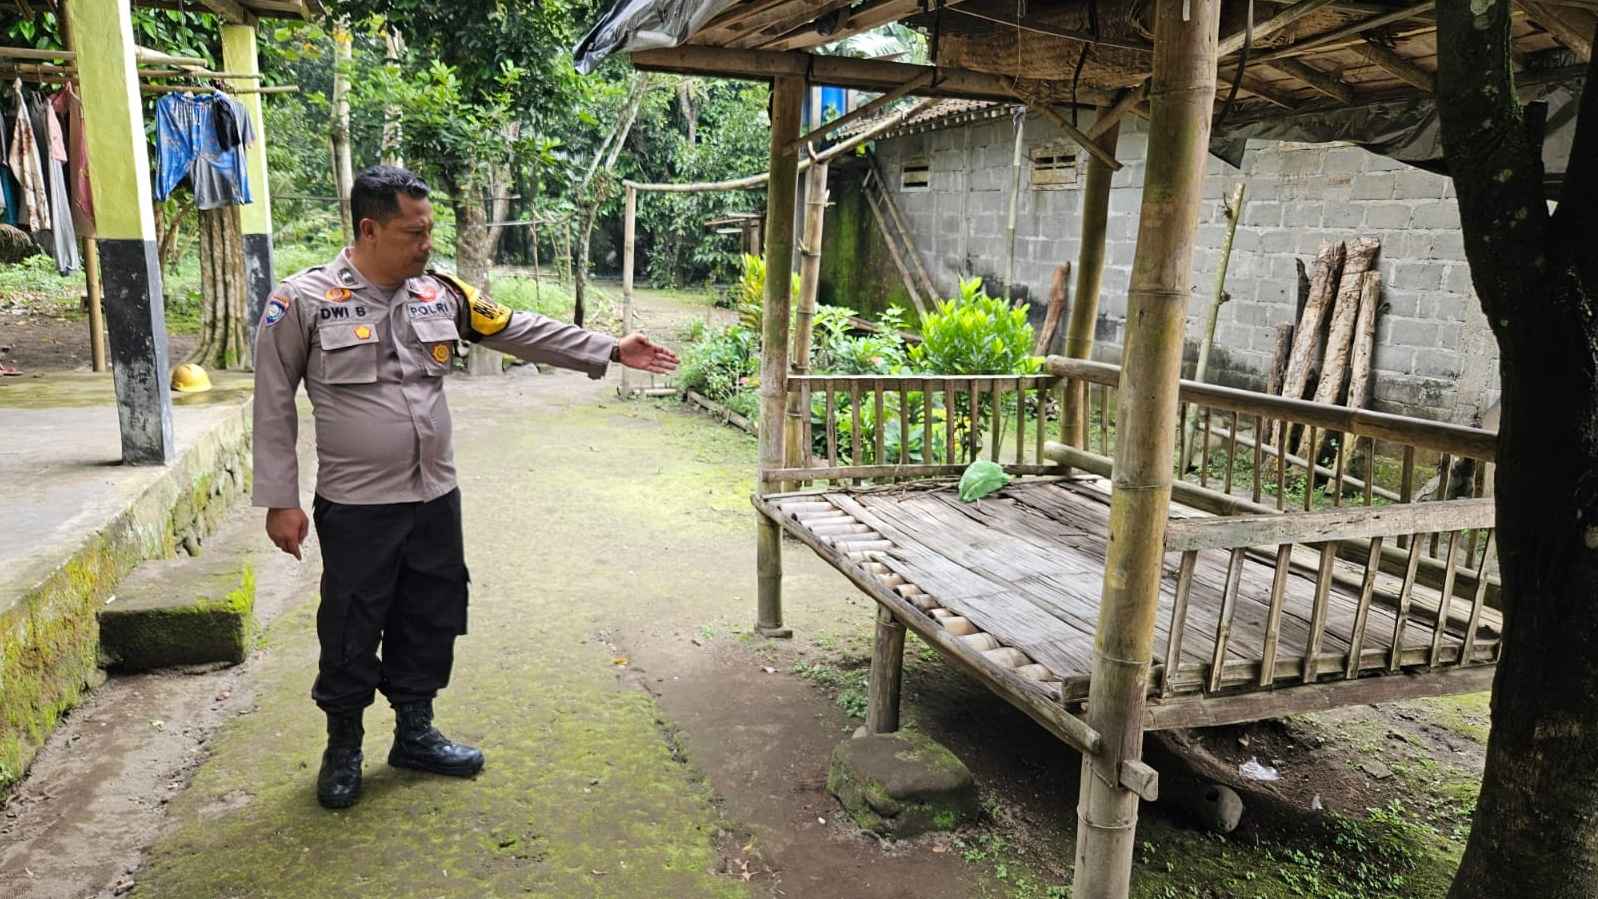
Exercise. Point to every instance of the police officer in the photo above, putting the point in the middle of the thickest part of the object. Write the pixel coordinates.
(372, 335)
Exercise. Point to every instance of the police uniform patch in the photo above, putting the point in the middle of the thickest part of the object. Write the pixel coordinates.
(337, 294)
(488, 317)
(429, 309)
(275, 310)
(441, 353)
(426, 292)
(363, 332)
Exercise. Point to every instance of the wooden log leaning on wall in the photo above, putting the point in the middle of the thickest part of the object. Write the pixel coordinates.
(1181, 102)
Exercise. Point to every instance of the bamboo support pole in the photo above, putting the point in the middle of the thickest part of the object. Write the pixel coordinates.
(628, 260)
(805, 320)
(917, 267)
(787, 99)
(887, 669)
(1234, 213)
(1089, 274)
(1181, 96)
(1015, 204)
(1088, 144)
(91, 277)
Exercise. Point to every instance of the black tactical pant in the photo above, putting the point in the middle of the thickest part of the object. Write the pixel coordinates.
(393, 576)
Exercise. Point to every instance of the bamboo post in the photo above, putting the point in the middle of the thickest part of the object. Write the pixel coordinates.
(1234, 213)
(887, 670)
(91, 277)
(1015, 202)
(538, 292)
(787, 96)
(805, 320)
(1089, 273)
(629, 227)
(1181, 98)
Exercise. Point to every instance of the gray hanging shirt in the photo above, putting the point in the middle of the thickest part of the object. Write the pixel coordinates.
(373, 362)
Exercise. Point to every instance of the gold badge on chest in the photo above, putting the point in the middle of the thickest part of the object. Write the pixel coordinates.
(441, 353)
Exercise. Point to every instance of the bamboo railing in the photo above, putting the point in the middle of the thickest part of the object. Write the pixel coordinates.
(1271, 540)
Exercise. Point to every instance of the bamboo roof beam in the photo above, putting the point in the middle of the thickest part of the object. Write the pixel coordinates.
(916, 83)
(1234, 41)
(230, 11)
(797, 14)
(1086, 142)
(146, 55)
(842, 71)
(1569, 26)
(1111, 116)
(1324, 82)
(755, 181)
(871, 14)
(1258, 88)
(1349, 31)
(1390, 62)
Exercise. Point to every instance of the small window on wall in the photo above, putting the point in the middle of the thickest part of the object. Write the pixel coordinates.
(1053, 166)
(917, 174)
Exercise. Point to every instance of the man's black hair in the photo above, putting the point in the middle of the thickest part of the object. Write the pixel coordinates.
(375, 194)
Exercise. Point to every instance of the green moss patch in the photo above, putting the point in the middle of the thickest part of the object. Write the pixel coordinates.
(902, 784)
(180, 612)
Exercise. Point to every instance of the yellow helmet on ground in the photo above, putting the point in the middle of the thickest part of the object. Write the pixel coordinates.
(190, 378)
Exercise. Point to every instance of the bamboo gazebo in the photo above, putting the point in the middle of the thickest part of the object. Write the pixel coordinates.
(1100, 593)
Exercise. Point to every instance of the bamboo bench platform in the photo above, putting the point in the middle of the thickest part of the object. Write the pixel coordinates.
(1009, 588)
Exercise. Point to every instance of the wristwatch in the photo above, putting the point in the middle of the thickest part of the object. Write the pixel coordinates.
(615, 352)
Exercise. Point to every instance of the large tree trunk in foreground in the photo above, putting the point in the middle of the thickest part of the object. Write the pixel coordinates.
(224, 335)
(1535, 831)
(473, 252)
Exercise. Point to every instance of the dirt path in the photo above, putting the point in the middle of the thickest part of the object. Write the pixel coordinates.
(640, 742)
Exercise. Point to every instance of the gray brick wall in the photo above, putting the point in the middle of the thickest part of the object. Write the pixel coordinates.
(1435, 356)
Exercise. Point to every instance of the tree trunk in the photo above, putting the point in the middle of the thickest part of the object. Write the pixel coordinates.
(343, 169)
(224, 333)
(610, 151)
(1535, 830)
(472, 256)
(392, 134)
(1044, 344)
(499, 195)
(685, 99)
(580, 265)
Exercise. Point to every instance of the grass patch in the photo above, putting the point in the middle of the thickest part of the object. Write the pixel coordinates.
(848, 688)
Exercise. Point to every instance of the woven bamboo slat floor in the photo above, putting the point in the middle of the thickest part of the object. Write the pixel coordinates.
(1025, 566)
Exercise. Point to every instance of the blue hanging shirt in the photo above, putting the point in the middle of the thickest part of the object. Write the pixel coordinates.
(188, 145)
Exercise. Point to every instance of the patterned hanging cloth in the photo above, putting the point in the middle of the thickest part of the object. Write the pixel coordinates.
(32, 197)
(60, 240)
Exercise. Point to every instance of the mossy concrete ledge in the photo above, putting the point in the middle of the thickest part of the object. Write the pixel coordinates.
(49, 634)
(179, 612)
(902, 784)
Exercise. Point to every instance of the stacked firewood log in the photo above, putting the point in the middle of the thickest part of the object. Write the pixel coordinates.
(1326, 355)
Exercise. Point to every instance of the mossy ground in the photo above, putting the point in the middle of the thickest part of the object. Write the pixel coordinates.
(588, 516)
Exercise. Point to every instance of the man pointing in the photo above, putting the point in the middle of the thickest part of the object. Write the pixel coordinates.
(372, 335)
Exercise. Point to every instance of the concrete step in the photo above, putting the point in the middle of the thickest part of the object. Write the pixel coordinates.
(184, 611)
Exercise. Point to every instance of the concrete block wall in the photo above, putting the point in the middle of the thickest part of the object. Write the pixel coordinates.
(1435, 356)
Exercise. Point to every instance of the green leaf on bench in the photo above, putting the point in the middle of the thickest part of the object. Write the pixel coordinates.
(980, 479)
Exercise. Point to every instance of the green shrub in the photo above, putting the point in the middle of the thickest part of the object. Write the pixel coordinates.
(722, 362)
(750, 291)
(975, 334)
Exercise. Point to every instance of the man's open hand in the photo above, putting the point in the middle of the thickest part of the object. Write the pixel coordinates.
(288, 528)
(636, 351)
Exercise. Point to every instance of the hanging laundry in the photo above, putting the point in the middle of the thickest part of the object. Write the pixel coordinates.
(8, 184)
(59, 238)
(187, 147)
(69, 110)
(34, 211)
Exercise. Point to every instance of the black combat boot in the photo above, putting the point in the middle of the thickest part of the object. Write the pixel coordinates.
(419, 745)
(338, 784)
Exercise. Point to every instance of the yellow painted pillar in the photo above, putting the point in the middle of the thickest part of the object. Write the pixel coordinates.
(239, 55)
(119, 176)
